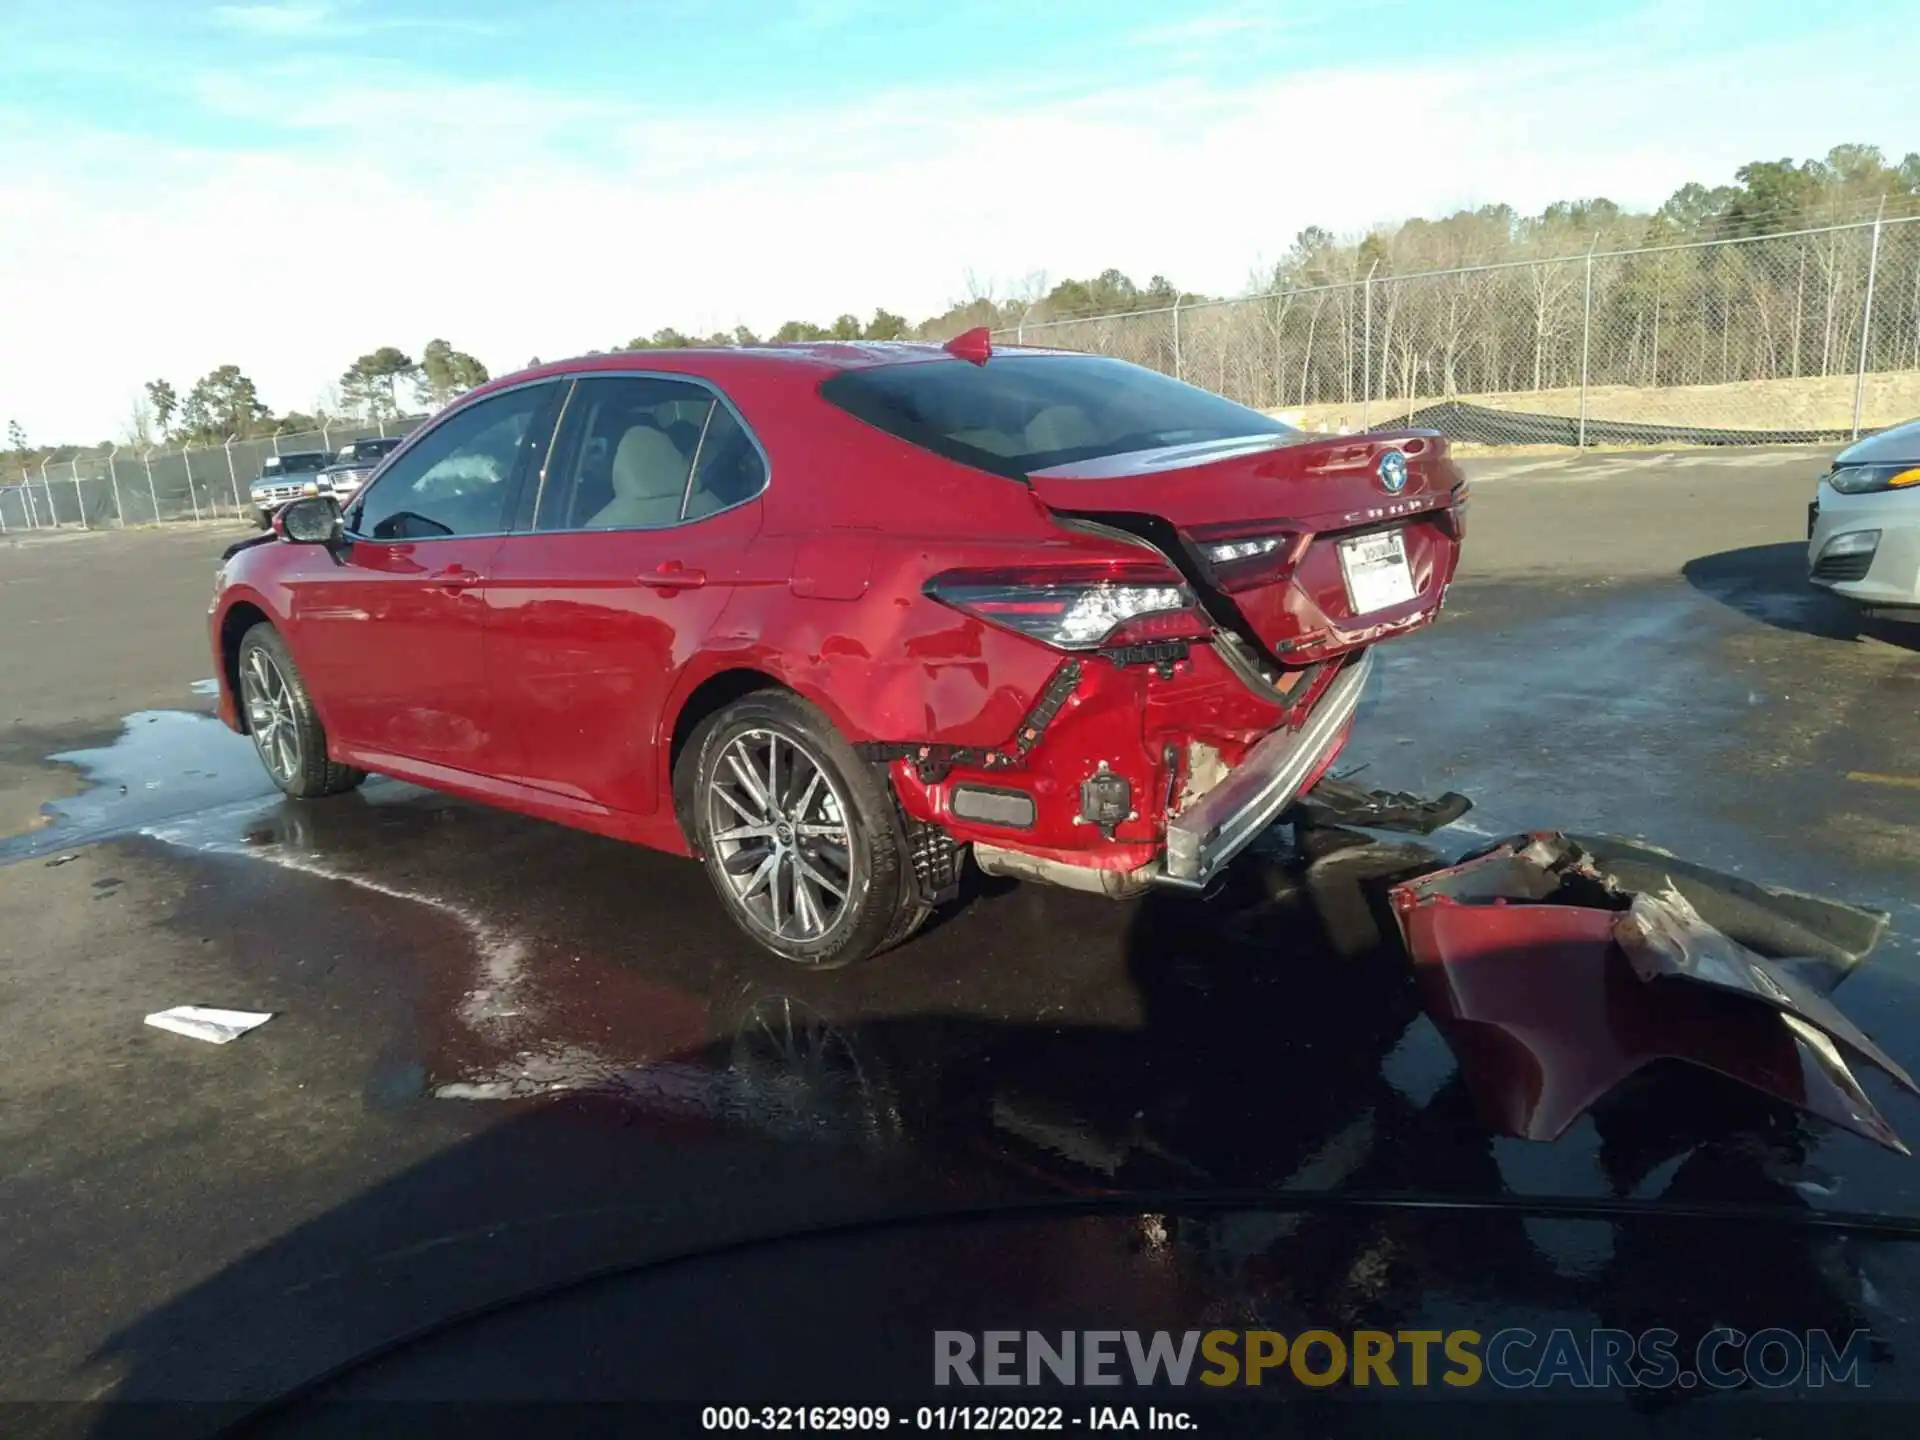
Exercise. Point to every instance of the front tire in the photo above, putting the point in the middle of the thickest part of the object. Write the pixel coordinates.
(286, 729)
(800, 837)
(262, 520)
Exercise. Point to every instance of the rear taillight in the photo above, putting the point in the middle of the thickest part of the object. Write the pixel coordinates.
(1226, 552)
(1076, 609)
(1188, 624)
(1240, 555)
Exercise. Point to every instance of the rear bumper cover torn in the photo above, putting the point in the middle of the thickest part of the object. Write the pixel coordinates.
(1202, 838)
(1558, 967)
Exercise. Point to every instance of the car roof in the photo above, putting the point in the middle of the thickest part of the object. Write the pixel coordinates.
(716, 362)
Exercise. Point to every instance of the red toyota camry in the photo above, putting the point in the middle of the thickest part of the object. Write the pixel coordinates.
(827, 616)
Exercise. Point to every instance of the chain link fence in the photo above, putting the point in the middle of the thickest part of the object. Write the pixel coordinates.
(131, 486)
(1808, 336)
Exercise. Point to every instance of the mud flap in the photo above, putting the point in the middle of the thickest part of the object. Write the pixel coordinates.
(1558, 967)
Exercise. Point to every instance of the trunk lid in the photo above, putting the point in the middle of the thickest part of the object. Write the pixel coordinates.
(1354, 560)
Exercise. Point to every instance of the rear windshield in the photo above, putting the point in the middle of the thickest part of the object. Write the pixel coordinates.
(297, 464)
(1021, 413)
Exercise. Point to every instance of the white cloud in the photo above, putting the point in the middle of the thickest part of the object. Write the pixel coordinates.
(826, 14)
(515, 221)
(276, 21)
(1197, 34)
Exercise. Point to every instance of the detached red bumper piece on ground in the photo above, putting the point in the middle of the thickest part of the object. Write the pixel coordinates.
(1558, 967)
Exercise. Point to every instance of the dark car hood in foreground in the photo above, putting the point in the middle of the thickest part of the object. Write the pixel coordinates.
(849, 1315)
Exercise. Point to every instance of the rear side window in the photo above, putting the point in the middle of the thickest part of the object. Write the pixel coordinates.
(625, 452)
(1021, 413)
(729, 471)
(644, 452)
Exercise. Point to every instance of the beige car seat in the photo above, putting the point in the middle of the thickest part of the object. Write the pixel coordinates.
(649, 476)
(1060, 427)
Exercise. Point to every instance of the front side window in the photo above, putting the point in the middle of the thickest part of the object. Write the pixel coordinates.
(1021, 413)
(456, 479)
(625, 452)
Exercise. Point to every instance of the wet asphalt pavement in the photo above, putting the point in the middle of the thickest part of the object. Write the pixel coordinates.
(505, 1054)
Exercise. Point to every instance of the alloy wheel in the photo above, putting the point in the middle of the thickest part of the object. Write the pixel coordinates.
(778, 825)
(270, 715)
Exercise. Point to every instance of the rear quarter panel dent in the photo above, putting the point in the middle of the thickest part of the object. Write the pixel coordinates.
(881, 670)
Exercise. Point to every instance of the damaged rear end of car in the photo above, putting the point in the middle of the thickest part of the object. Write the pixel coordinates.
(1210, 589)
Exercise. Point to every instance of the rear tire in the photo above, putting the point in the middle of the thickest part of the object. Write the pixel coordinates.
(286, 729)
(800, 837)
(912, 916)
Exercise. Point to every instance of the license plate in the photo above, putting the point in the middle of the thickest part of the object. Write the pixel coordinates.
(1377, 572)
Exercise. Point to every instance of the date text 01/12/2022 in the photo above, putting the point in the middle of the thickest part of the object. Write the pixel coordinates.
(995, 1418)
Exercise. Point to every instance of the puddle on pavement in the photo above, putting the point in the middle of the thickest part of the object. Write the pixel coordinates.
(1060, 1038)
(165, 764)
(27, 792)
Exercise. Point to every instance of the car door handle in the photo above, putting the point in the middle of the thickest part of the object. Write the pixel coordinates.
(455, 577)
(674, 576)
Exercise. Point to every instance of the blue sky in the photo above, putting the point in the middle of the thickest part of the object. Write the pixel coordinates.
(284, 186)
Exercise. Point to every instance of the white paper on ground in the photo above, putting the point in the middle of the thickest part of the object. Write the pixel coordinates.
(203, 1022)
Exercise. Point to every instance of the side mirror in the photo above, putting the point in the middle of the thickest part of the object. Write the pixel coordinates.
(314, 521)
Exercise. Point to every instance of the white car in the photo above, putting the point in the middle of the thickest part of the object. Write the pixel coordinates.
(1863, 527)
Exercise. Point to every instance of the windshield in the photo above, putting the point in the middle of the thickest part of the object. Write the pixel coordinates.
(361, 451)
(299, 463)
(1021, 413)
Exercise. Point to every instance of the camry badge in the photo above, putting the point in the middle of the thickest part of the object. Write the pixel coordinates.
(1393, 472)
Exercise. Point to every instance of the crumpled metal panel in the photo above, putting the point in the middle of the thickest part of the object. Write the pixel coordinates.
(1553, 984)
(1818, 938)
(1664, 937)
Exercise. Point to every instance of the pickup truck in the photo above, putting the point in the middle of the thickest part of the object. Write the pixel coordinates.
(283, 478)
(356, 460)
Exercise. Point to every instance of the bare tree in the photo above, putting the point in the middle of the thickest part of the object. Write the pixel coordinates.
(1550, 286)
(138, 429)
(1306, 354)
